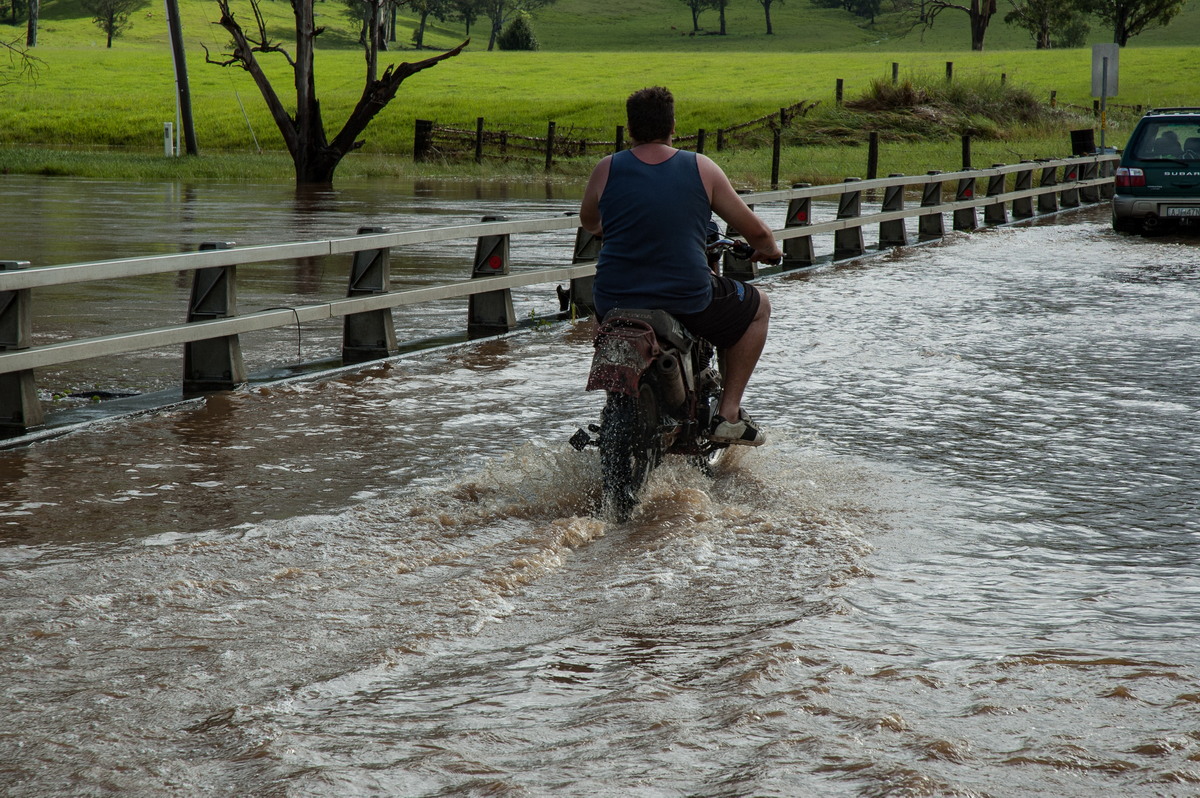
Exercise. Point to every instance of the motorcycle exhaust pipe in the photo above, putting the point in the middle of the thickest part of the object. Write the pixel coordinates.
(670, 380)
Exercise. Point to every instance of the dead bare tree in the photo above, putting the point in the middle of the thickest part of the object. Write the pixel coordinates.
(17, 63)
(315, 156)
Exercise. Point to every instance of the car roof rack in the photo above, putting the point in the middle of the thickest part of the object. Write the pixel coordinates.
(1182, 110)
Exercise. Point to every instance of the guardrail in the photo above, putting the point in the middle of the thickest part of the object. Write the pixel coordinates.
(212, 358)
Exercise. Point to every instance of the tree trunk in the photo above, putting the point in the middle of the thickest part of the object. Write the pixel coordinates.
(722, 18)
(695, 19)
(1121, 29)
(31, 29)
(767, 11)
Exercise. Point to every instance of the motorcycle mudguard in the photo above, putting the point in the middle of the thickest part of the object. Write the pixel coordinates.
(625, 348)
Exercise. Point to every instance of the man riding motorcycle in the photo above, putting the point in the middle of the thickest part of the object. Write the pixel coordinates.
(652, 204)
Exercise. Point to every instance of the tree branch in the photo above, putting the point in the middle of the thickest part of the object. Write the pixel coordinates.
(378, 93)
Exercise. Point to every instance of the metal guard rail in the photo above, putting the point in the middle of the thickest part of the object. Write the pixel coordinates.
(210, 334)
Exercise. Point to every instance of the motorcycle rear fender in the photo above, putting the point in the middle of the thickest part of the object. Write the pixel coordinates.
(625, 348)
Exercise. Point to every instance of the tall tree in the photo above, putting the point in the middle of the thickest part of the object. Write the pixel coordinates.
(721, 5)
(1049, 22)
(1131, 17)
(423, 9)
(31, 24)
(112, 16)
(315, 156)
(466, 11)
(766, 4)
(979, 11)
(696, 6)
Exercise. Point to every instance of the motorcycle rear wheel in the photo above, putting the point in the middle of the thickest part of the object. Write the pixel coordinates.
(629, 448)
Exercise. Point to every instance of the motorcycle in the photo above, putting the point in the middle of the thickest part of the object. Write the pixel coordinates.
(663, 390)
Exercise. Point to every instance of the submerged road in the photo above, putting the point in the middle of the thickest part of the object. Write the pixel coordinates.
(965, 565)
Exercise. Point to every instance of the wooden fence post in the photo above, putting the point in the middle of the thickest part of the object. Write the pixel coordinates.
(619, 141)
(872, 155)
(949, 71)
(895, 73)
(893, 233)
(491, 312)
(20, 408)
(422, 139)
(966, 151)
(837, 94)
(848, 242)
(798, 252)
(214, 364)
(776, 151)
(549, 146)
(930, 225)
(478, 140)
(372, 334)
(700, 136)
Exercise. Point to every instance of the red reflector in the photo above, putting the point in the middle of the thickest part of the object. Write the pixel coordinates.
(494, 262)
(801, 216)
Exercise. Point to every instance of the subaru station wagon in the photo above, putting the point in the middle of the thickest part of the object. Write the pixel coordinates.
(1158, 180)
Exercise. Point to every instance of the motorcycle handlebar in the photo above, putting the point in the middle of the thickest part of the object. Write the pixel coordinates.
(740, 249)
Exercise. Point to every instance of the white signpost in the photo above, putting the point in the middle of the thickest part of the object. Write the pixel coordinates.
(1104, 80)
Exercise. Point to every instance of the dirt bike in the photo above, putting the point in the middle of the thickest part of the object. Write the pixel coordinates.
(663, 391)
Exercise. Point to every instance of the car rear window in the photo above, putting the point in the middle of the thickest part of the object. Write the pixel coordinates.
(1177, 139)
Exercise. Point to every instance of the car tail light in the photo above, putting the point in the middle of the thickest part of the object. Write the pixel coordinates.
(1130, 177)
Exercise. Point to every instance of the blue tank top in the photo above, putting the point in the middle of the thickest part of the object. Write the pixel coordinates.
(655, 221)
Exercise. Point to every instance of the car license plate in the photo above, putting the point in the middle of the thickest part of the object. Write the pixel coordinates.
(1188, 211)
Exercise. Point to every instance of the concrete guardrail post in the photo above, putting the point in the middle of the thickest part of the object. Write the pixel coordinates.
(995, 213)
(20, 409)
(1047, 201)
(893, 233)
(1089, 171)
(930, 225)
(737, 268)
(214, 364)
(491, 312)
(965, 218)
(1022, 207)
(587, 250)
(372, 334)
(1108, 169)
(1069, 197)
(798, 252)
(848, 242)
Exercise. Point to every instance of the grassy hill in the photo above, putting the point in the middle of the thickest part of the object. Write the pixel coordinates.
(593, 53)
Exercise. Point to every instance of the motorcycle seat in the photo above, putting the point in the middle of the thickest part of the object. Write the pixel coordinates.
(666, 327)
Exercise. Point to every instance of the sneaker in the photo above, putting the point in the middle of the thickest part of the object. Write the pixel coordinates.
(743, 432)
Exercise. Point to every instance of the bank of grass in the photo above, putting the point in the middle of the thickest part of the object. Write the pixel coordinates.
(99, 113)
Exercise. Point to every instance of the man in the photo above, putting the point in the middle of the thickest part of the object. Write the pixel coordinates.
(652, 204)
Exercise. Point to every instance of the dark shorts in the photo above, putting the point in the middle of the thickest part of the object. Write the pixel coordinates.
(728, 316)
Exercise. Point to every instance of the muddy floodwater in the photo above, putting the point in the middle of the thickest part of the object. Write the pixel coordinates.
(966, 564)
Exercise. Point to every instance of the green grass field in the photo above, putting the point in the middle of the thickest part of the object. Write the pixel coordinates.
(89, 99)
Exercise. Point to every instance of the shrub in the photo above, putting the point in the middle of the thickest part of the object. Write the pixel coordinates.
(518, 34)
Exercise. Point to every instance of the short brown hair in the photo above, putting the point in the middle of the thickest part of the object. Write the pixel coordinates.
(651, 114)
